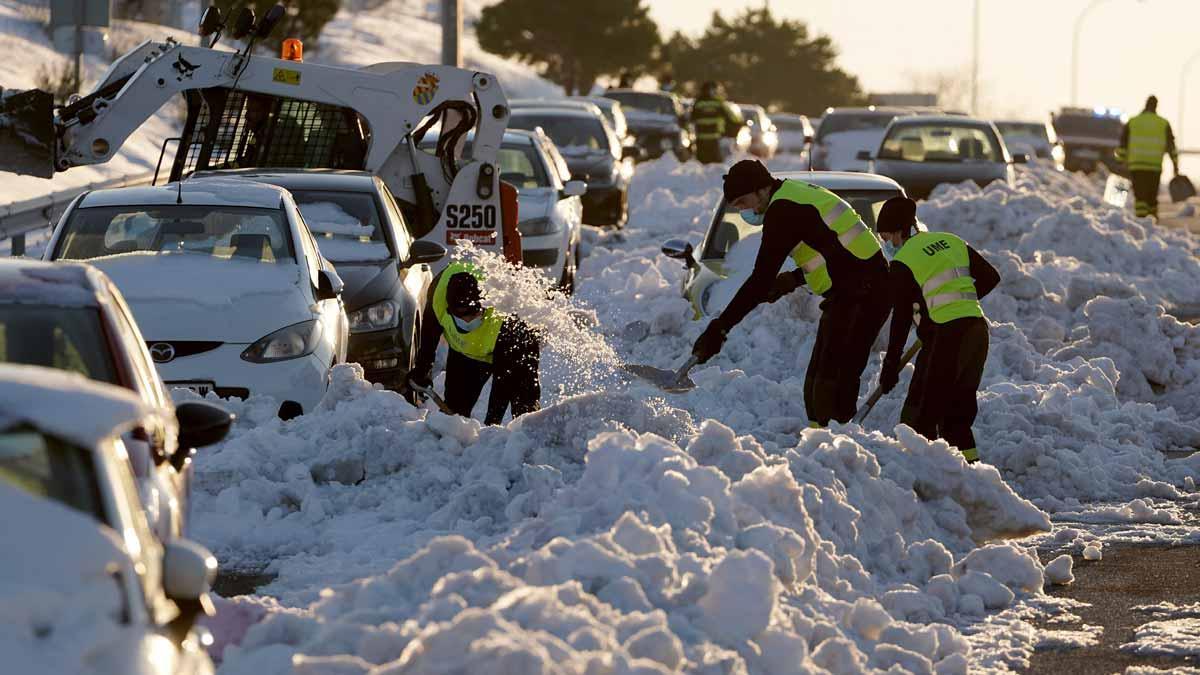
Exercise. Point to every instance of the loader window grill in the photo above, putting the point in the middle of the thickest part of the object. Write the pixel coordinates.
(233, 129)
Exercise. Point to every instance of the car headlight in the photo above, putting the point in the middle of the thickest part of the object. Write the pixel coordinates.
(536, 227)
(292, 342)
(379, 316)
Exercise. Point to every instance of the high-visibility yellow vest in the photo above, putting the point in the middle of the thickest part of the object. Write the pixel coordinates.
(940, 263)
(708, 116)
(1147, 142)
(838, 216)
(478, 344)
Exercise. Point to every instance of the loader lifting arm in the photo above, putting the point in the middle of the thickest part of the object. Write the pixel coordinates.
(247, 111)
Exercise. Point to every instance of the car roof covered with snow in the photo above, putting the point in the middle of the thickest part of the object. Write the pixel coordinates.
(313, 179)
(941, 119)
(550, 111)
(63, 284)
(842, 180)
(209, 191)
(66, 405)
(568, 103)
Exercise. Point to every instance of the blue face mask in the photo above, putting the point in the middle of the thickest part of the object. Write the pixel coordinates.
(467, 326)
(889, 250)
(751, 216)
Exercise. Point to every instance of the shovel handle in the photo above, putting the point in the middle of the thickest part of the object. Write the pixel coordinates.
(686, 368)
(878, 393)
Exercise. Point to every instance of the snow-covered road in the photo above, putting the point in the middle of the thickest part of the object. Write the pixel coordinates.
(625, 530)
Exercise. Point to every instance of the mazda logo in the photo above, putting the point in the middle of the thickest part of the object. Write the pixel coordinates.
(162, 352)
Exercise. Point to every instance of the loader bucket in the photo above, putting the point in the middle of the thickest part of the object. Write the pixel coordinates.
(27, 133)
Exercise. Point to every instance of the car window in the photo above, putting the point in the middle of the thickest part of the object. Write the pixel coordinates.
(403, 238)
(345, 225)
(939, 143)
(663, 105)
(1023, 130)
(249, 234)
(836, 123)
(1088, 125)
(47, 467)
(572, 134)
(520, 165)
(728, 228)
(63, 338)
(150, 384)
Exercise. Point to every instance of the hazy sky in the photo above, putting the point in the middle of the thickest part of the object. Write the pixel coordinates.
(1128, 48)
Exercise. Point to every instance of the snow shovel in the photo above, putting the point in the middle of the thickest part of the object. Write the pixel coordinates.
(429, 393)
(878, 393)
(673, 381)
(1181, 189)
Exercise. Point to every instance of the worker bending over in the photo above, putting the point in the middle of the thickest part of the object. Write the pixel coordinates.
(944, 278)
(483, 344)
(838, 257)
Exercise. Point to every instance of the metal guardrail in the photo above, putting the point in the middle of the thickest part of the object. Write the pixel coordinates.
(19, 218)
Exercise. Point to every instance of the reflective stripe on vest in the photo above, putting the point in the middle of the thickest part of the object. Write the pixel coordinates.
(711, 114)
(838, 216)
(478, 344)
(941, 265)
(1147, 142)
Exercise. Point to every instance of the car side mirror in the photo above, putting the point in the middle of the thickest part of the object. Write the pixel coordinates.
(863, 156)
(678, 249)
(574, 188)
(1020, 158)
(200, 423)
(329, 285)
(188, 572)
(423, 252)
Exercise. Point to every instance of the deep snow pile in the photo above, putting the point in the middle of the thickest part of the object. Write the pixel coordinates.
(602, 535)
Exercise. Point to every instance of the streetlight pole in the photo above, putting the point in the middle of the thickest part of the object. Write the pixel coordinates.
(1187, 67)
(975, 63)
(1075, 50)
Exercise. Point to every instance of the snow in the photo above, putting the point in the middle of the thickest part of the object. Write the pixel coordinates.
(37, 396)
(1059, 570)
(1174, 637)
(345, 243)
(31, 282)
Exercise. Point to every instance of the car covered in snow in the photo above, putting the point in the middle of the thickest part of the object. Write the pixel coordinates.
(614, 112)
(657, 120)
(713, 263)
(923, 151)
(796, 133)
(87, 584)
(764, 136)
(594, 154)
(845, 132)
(226, 283)
(359, 227)
(70, 316)
(1036, 139)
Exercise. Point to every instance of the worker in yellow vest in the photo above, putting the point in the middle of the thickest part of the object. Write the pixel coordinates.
(713, 119)
(1144, 140)
(944, 278)
(483, 344)
(837, 256)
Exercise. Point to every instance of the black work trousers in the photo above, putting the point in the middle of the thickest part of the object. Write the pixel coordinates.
(515, 368)
(708, 151)
(1145, 192)
(847, 330)
(941, 399)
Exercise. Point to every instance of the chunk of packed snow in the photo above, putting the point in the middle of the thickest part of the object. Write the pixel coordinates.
(1059, 570)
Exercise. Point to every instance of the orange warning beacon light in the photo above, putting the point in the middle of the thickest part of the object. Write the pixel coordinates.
(293, 50)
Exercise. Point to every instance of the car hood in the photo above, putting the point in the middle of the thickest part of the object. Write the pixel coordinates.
(185, 296)
(584, 166)
(367, 283)
(535, 202)
(843, 146)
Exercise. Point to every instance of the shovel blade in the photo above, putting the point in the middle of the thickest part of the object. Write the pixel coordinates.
(27, 133)
(667, 380)
(1181, 189)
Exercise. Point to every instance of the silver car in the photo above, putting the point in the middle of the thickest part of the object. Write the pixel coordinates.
(923, 151)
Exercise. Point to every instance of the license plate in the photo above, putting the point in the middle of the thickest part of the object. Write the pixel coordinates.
(201, 388)
(1088, 154)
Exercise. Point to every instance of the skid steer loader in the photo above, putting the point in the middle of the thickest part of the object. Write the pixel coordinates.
(251, 111)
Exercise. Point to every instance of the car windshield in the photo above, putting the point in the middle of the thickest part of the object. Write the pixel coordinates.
(788, 123)
(654, 103)
(939, 143)
(729, 228)
(46, 467)
(572, 135)
(521, 166)
(346, 225)
(834, 123)
(1023, 130)
(63, 338)
(1088, 125)
(218, 231)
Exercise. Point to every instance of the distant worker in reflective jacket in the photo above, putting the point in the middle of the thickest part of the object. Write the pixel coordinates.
(484, 344)
(943, 279)
(1144, 140)
(837, 256)
(713, 119)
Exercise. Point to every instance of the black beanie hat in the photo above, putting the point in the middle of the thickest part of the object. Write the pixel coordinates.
(462, 295)
(745, 177)
(899, 214)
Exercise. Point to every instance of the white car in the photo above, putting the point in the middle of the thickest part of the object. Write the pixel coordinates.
(225, 281)
(845, 132)
(83, 579)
